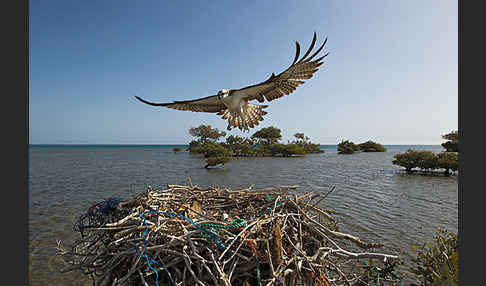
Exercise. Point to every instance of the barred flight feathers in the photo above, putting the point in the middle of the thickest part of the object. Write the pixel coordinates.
(233, 104)
(205, 104)
(287, 81)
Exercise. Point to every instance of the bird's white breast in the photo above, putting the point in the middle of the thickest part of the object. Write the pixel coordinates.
(232, 102)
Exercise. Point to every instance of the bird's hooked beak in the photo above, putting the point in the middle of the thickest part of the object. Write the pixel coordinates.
(222, 95)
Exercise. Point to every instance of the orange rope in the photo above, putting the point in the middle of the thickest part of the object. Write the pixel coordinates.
(322, 279)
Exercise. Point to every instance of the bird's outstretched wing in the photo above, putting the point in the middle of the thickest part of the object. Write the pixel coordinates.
(206, 104)
(287, 81)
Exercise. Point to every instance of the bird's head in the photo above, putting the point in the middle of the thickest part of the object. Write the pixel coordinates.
(223, 93)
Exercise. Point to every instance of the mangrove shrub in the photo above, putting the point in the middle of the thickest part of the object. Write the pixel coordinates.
(347, 147)
(438, 264)
(239, 146)
(305, 143)
(286, 150)
(194, 146)
(206, 133)
(211, 149)
(263, 142)
(452, 145)
(448, 161)
(427, 161)
(213, 161)
(269, 135)
(215, 154)
(408, 160)
(370, 146)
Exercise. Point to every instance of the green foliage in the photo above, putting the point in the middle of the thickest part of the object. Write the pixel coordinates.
(347, 147)
(195, 146)
(300, 136)
(263, 143)
(452, 136)
(305, 143)
(286, 150)
(312, 148)
(277, 148)
(207, 138)
(211, 149)
(370, 146)
(206, 133)
(452, 145)
(427, 160)
(240, 145)
(176, 149)
(213, 152)
(264, 149)
(293, 149)
(371, 274)
(409, 159)
(269, 135)
(213, 161)
(448, 161)
(234, 140)
(437, 264)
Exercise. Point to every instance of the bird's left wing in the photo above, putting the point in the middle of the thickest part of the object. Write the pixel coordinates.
(206, 104)
(287, 81)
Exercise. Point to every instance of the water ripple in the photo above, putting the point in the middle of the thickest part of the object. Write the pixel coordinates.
(374, 200)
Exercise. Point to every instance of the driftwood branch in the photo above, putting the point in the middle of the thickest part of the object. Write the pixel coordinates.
(188, 235)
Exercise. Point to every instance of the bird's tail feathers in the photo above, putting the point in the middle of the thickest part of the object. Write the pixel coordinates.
(253, 112)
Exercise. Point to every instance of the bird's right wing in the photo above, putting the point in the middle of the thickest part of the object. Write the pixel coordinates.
(287, 81)
(206, 104)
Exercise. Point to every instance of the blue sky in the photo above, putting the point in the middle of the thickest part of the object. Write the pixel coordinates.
(390, 77)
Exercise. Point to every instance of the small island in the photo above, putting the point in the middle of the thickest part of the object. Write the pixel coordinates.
(348, 147)
(427, 161)
(263, 143)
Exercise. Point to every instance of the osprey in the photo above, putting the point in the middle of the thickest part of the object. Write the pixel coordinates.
(233, 104)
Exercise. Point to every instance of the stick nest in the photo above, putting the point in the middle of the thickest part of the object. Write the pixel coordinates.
(187, 235)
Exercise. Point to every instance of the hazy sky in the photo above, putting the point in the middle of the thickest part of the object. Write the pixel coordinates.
(391, 75)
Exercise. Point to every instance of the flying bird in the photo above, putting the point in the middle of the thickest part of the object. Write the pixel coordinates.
(233, 104)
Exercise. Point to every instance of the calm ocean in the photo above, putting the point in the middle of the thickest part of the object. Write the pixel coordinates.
(375, 200)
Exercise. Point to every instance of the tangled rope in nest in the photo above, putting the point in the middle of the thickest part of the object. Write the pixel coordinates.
(187, 235)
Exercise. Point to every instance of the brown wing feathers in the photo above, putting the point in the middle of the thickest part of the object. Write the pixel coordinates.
(274, 87)
(205, 104)
(287, 81)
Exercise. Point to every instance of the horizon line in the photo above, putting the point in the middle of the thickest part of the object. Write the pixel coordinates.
(158, 144)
